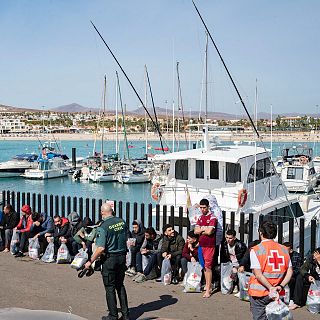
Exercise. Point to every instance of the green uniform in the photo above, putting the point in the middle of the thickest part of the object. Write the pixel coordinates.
(112, 236)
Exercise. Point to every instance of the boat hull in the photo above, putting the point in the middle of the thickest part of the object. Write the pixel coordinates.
(43, 174)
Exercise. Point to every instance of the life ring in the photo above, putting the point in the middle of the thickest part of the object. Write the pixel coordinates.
(242, 197)
(303, 160)
(156, 191)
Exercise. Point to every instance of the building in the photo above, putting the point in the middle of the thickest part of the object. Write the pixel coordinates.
(13, 125)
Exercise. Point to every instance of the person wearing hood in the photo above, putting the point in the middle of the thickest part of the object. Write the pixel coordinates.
(10, 221)
(137, 238)
(42, 229)
(172, 247)
(23, 229)
(86, 236)
(75, 225)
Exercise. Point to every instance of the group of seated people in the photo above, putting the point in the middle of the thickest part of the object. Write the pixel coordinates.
(148, 248)
(73, 231)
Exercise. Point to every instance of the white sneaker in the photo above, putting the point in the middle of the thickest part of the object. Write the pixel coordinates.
(138, 274)
(237, 295)
(130, 272)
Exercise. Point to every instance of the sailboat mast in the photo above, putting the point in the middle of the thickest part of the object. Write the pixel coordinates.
(146, 104)
(255, 143)
(206, 79)
(103, 113)
(117, 131)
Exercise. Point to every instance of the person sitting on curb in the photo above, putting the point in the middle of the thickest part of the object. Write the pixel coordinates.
(10, 221)
(61, 232)
(233, 250)
(190, 251)
(148, 256)
(134, 247)
(297, 262)
(172, 247)
(23, 229)
(309, 272)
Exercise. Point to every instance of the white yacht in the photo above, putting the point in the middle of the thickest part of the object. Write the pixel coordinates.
(134, 175)
(102, 175)
(241, 177)
(50, 165)
(298, 172)
(17, 165)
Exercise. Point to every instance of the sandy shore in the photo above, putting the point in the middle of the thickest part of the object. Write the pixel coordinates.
(278, 137)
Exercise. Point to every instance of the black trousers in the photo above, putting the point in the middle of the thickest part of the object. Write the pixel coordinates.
(113, 273)
(175, 263)
(301, 291)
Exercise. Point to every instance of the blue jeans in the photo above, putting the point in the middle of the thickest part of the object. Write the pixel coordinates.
(152, 262)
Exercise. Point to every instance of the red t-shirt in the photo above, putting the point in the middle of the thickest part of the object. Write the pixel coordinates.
(206, 221)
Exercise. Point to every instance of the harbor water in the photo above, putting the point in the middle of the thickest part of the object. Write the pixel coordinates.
(139, 193)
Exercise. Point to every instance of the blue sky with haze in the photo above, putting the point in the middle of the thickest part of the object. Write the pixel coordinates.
(50, 55)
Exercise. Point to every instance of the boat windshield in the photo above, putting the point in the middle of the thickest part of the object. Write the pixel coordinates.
(295, 173)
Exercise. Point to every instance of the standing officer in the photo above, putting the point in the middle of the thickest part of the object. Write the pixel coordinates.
(111, 245)
(272, 269)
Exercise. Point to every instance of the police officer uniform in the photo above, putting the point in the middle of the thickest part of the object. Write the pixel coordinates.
(112, 235)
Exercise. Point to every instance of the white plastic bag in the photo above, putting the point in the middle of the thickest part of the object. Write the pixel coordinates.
(194, 213)
(226, 279)
(33, 248)
(166, 272)
(285, 295)
(63, 255)
(49, 253)
(80, 259)
(313, 299)
(243, 285)
(192, 282)
(14, 242)
(145, 261)
(278, 310)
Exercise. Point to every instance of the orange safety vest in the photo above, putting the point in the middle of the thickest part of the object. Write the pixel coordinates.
(274, 261)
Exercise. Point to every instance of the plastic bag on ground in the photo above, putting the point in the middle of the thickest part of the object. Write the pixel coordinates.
(80, 259)
(226, 279)
(48, 256)
(243, 285)
(278, 310)
(166, 272)
(194, 213)
(14, 242)
(33, 248)
(192, 281)
(63, 255)
(313, 299)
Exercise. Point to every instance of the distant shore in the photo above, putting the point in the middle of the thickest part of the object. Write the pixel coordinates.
(277, 137)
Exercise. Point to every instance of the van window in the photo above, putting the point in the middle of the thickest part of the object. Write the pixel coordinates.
(199, 169)
(233, 172)
(214, 169)
(181, 169)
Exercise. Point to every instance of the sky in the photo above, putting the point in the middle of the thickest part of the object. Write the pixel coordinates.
(50, 55)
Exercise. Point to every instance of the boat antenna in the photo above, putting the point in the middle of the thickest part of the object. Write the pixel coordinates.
(132, 86)
(153, 106)
(244, 106)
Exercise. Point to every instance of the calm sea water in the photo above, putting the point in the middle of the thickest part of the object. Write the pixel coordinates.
(65, 186)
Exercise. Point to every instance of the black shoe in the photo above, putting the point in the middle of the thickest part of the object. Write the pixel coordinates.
(175, 281)
(19, 255)
(124, 318)
(152, 275)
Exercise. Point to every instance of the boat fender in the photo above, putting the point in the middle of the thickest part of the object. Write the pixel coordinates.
(303, 160)
(242, 197)
(156, 191)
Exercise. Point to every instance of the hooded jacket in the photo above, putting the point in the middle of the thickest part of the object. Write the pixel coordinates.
(154, 246)
(174, 245)
(310, 268)
(25, 223)
(10, 220)
(46, 225)
(63, 230)
(139, 236)
(75, 223)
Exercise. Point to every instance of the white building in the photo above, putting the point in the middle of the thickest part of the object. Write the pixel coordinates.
(12, 125)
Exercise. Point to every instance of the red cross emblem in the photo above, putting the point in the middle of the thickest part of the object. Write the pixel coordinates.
(195, 276)
(275, 261)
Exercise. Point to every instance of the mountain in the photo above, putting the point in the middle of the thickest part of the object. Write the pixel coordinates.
(4, 108)
(74, 107)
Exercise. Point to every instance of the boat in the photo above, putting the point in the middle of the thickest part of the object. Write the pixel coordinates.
(50, 165)
(241, 177)
(298, 172)
(18, 165)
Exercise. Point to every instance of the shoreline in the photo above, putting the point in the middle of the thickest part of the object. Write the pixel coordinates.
(278, 137)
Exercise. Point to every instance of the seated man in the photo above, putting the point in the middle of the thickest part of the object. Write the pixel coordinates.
(148, 256)
(42, 229)
(296, 265)
(23, 229)
(137, 234)
(76, 224)
(9, 222)
(171, 248)
(61, 232)
(190, 251)
(233, 250)
(310, 271)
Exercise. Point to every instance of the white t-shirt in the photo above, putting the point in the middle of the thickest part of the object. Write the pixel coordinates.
(254, 262)
(232, 254)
